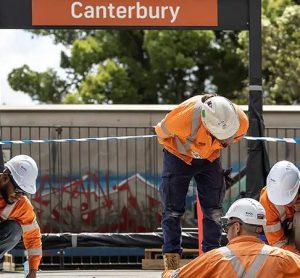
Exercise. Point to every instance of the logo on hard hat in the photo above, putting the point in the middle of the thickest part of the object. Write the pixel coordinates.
(248, 213)
(222, 124)
(23, 168)
(209, 104)
(260, 216)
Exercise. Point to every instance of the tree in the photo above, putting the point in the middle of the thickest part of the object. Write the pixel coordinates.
(281, 56)
(142, 66)
(137, 66)
(45, 87)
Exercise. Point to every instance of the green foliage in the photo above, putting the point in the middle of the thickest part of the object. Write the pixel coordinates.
(275, 8)
(141, 66)
(281, 57)
(45, 86)
(111, 84)
(161, 66)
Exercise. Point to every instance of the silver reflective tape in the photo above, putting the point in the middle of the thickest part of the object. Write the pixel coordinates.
(35, 252)
(7, 210)
(258, 262)
(281, 211)
(280, 243)
(195, 124)
(196, 119)
(30, 227)
(74, 240)
(255, 88)
(234, 260)
(164, 128)
(180, 146)
(273, 228)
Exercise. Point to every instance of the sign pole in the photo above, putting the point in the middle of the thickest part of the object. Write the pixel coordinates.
(257, 162)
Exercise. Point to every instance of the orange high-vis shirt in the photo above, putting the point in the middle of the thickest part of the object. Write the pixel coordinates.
(244, 256)
(275, 215)
(183, 134)
(22, 212)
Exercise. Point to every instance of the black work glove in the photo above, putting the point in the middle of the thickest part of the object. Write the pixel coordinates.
(227, 178)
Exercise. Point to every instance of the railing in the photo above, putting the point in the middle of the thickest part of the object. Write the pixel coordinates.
(112, 186)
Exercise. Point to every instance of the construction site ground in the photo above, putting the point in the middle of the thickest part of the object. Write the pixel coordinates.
(89, 274)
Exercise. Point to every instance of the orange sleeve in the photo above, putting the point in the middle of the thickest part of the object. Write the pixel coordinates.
(25, 215)
(244, 124)
(177, 122)
(273, 229)
(291, 265)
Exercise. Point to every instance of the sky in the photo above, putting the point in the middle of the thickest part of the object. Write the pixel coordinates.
(18, 47)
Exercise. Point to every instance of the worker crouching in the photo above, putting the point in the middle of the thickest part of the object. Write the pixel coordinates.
(245, 255)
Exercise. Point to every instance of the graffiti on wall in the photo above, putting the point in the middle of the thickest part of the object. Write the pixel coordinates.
(88, 204)
(84, 204)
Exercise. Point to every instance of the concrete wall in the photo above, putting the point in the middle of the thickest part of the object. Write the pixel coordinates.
(121, 115)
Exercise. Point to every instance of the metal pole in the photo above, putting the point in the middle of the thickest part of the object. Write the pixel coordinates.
(257, 162)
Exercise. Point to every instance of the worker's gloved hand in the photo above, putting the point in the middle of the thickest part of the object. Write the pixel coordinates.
(297, 206)
(227, 178)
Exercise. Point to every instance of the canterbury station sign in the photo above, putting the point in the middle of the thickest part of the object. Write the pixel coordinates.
(125, 13)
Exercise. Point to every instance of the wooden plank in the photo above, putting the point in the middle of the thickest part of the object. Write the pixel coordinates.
(7, 258)
(7, 264)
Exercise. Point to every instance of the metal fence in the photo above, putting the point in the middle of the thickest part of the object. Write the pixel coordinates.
(112, 185)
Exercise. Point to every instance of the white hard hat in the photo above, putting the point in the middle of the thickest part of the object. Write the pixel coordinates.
(220, 117)
(283, 183)
(248, 210)
(24, 172)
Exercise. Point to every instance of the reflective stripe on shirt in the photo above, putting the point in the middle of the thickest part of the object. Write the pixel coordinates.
(184, 148)
(272, 228)
(237, 265)
(34, 251)
(7, 210)
(29, 227)
(233, 259)
(164, 128)
(280, 243)
(258, 262)
(281, 211)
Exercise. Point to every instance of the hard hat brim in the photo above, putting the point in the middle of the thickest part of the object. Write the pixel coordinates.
(284, 199)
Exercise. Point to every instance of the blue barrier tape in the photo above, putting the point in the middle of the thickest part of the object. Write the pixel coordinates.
(273, 139)
(10, 142)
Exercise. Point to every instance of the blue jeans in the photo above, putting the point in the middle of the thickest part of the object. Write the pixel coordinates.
(176, 177)
(10, 235)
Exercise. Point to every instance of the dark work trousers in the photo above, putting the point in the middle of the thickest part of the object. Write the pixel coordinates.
(10, 235)
(176, 177)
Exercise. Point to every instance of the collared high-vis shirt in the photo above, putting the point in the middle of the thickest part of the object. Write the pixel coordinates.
(244, 256)
(275, 216)
(183, 134)
(22, 212)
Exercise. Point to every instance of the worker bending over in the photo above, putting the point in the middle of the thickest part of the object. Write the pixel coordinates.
(193, 134)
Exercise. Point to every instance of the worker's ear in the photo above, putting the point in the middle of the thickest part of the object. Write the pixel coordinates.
(238, 228)
(4, 178)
